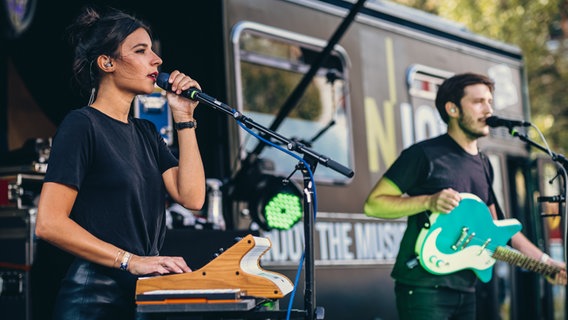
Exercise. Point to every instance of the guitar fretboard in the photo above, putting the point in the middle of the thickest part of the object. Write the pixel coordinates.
(520, 260)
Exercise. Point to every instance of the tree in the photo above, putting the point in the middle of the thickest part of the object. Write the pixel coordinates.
(539, 28)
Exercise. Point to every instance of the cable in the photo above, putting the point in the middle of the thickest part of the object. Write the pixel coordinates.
(547, 147)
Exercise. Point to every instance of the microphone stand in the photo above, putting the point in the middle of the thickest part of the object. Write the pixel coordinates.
(561, 159)
(555, 157)
(312, 158)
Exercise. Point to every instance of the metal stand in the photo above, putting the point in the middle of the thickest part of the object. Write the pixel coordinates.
(560, 199)
(564, 163)
(309, 267)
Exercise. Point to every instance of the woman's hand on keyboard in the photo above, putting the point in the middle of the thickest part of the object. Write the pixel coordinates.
(157, 265)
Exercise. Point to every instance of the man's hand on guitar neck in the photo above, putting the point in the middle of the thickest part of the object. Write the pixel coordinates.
(560, 277)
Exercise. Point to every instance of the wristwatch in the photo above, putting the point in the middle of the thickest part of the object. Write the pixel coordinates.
(184, 125)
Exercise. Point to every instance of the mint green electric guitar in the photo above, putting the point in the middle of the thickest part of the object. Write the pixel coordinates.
(469, 238)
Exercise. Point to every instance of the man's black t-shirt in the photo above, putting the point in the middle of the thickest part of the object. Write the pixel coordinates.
(117, 169)
(427, 168)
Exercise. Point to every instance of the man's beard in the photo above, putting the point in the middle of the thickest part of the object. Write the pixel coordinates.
(465, 126)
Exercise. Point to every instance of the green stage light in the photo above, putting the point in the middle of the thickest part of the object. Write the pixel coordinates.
(283, 211)
(275, 205)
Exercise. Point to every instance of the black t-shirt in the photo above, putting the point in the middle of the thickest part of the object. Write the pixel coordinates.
(117, 169)
(426, 168)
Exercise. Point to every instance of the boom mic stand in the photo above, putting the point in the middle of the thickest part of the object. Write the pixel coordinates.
(313, 159)
(561, 159)
(561, 199)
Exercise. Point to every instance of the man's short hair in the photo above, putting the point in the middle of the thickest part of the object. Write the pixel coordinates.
(452, 90)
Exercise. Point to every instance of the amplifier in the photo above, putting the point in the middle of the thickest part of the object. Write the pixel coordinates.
(20, 190)
(16, 257)
(15, 294)
(17, 228)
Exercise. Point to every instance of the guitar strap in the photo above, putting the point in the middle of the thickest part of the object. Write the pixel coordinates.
(484, 163)
(424, 219)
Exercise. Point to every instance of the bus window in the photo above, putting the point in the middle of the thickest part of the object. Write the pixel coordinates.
(269, 64)
(422, 86)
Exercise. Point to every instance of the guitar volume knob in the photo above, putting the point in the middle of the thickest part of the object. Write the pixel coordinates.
(437, 262)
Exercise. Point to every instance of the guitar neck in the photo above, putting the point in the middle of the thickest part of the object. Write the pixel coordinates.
(518, 259)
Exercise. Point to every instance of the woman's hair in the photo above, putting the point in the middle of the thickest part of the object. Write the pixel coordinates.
(452, 90)
(96, 33)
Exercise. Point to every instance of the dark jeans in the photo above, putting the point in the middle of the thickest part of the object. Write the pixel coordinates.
(416, 303)
(90, 291)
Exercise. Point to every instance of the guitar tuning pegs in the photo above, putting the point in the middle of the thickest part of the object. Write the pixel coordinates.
(237, 239)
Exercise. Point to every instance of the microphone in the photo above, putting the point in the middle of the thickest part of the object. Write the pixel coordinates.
(495, 122)
(195, 94)
(162, 82)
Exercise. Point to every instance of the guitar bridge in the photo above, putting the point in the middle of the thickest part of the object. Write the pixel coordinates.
(471, 236)
(458, 243)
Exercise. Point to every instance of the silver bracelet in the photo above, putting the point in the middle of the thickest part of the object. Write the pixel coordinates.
(125, 259)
